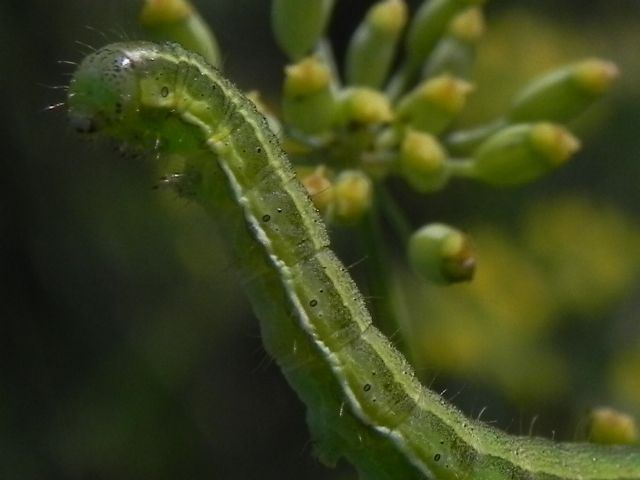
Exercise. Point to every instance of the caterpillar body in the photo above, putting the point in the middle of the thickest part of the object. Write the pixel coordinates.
(362, 397)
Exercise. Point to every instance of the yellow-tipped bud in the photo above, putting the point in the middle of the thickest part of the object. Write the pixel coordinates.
(447, 92)
(179, 21)
(468, 25)
(429, 25)
(309, 104)
(155, 12)
(441, 254)
(435, 103)
(352, 196)
(298, 24)
(611, 427)
(422, 161)
(564, 93)
(388, 16)
(522, 153)
(555, 143)
(365, 106)
(595, 75)
(310, 75)
(372, 47)
(456, 53)
(319, 187)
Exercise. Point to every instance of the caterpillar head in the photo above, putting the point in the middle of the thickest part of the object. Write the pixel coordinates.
(127, 92)
(103, 93)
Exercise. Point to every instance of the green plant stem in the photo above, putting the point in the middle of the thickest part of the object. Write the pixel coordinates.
(325, 51)
(461, 167)
(464, 142)
(379, 277)
(403, 229)
(394, 215)
(400, 82)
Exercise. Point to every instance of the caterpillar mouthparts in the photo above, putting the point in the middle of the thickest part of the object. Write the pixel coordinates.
(104, 90)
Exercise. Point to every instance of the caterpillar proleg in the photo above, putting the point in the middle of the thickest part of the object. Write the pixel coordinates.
(363, 400)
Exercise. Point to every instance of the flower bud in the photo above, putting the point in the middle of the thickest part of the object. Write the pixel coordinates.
(429, 25)
(178, 21)
(371, 49)
(365, 106)
(298, 24)
(611, 427)
(522, 153)
(352, 196)
(441, 254)
(468, 26)
(564, 93)
(456, 53)
(422, 161)
(308, 101)
(309, 76)
(432, 105)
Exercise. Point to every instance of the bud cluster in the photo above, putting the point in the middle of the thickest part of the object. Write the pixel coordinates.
(391, 109)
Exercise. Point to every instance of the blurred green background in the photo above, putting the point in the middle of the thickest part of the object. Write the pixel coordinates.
(127, 349)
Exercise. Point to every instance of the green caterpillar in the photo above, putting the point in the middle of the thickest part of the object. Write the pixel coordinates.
(363, 400)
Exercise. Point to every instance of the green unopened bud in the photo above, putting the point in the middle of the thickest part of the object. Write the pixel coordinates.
(308, 101)
(611, 427)
(468, 26)
(388, 16)
(441, 254)
(352, 196)
(422, 161)
(178, 21)
(156, 12)
(522, 153)
(365, 106)
(319, 187)
(456, 52)
(429, 25)
(371, 49)
(434, 104)
(298, 24)
(564, 93)
(307, 77)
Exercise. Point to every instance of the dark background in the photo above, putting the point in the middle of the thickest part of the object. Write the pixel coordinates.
(126, 348)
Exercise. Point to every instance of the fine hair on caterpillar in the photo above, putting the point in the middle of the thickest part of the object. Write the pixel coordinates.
(364, 402)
